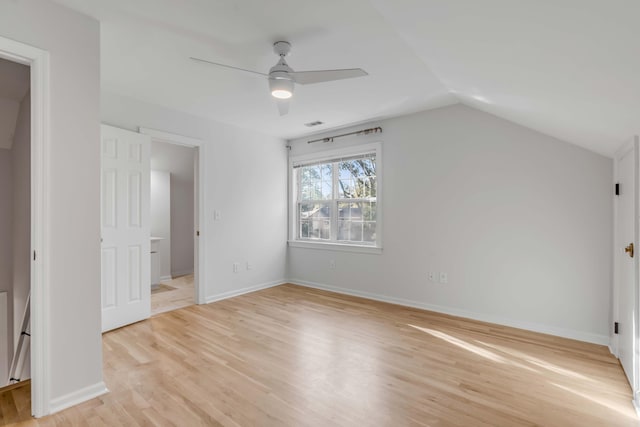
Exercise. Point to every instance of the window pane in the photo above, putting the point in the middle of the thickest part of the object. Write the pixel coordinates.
(356, 232)
(315, 182)
(357, 221)
(369, 211)
(369, 232)
(343, 230)
(357, 179)
(314, 221)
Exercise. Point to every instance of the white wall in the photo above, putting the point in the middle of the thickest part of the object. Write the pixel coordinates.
(73, 253)
(21, 250)
(6, 259)
(160, 209)
(520, 221)
(247, 182)
(181, 226)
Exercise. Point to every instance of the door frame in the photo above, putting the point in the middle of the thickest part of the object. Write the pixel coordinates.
(38, 61)
(199, 261)
(632, 145)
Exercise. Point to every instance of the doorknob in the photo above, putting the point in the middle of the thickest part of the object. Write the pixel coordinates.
(629, 250)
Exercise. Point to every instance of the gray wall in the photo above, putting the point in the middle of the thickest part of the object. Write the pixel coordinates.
(520, 221)
(182, 234)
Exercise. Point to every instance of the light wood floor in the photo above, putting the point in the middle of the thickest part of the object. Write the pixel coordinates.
(291, 356)
(165, 299)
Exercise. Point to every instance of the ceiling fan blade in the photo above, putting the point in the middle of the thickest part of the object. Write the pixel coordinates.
(283, 106)
(227, 66)
(311, 77)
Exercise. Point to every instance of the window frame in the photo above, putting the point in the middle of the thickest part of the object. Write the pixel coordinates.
(333, 243)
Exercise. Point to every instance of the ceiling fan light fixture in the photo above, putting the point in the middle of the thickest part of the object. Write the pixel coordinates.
(281, 88)
(281, 94)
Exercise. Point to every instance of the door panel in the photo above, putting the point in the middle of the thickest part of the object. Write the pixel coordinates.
(126, 291)
(109, 273)
(626, 217)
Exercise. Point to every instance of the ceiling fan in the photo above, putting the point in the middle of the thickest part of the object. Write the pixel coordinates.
(282, 78)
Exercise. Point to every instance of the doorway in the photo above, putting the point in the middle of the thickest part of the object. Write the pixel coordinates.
(192, 284)
(15, 224)
(37, 61)
(172, 212)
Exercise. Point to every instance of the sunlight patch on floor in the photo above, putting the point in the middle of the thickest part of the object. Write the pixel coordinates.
(625, 410)
(487, 354)
(538, 362)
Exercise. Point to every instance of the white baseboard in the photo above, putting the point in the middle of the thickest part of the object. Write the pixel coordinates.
(181, 273)
(235, 293)
(77, 397)
(165, 278)
(550, 330)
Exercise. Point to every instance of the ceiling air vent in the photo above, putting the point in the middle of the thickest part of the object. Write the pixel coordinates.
(312, 124)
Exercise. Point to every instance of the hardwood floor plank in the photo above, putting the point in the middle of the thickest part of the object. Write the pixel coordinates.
(173, 294)
(293, 356)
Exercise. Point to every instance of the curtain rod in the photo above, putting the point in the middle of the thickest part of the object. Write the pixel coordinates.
(358, 132)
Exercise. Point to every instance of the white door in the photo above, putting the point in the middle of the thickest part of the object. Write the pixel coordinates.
(626, 264)
(126, 287)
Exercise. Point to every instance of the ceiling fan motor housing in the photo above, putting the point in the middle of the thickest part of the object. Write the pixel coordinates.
(282, 48)
(281, 71)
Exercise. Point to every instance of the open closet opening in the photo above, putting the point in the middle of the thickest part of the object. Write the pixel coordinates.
(15, 226)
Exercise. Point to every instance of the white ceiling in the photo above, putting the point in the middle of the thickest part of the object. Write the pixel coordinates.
(568, 68)
(175, 159)
(14, 84)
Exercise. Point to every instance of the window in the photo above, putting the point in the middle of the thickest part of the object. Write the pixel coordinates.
(335, 198)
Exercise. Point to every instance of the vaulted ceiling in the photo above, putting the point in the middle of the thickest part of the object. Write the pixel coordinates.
(568, 68)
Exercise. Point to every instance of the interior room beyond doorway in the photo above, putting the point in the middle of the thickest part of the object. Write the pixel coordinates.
(172, 226)
(15, 223)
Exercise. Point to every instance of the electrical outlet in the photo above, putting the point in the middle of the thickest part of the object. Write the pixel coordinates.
(444, 277)
(432, 276)
(249, 266)
(236, 267)
(332, 264)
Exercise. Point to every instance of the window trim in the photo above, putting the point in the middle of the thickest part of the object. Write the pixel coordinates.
(327, 155)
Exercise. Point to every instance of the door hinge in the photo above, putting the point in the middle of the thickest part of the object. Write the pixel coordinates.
(198, 233)
(615, 327)
(617, 188)
(34, 255)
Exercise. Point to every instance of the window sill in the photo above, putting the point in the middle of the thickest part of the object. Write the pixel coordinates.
(335, 247)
